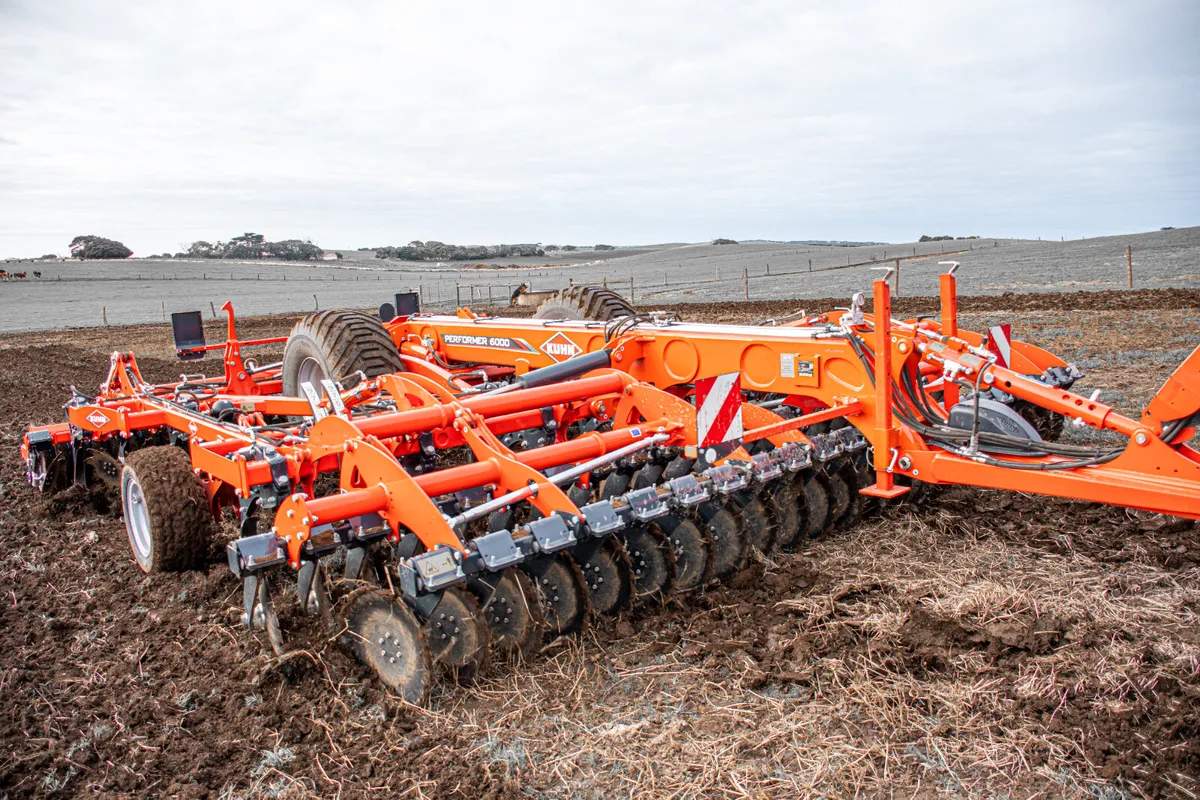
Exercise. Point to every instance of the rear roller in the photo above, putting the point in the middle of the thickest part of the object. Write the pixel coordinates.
(512, 612)
(383, 634)
(560, 589)
(459, 639)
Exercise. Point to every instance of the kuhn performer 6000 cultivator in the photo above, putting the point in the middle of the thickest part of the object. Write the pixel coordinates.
(453, 486)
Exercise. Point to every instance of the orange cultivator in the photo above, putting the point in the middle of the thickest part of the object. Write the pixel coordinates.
(478, 484)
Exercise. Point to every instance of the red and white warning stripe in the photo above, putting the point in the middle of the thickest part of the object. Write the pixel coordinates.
(719, 409)
(1000, 343)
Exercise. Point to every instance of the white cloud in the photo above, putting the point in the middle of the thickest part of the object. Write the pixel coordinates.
(626, 122)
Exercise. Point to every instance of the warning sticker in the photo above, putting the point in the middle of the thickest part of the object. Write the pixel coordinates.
(792, 367)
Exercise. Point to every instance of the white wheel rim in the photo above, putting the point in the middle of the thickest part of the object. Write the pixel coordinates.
(310, 372)
(137, 521)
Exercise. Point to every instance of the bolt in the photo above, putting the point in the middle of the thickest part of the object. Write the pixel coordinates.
(1141, 438)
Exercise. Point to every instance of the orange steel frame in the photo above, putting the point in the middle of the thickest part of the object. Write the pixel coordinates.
(366, 449)
(1149, 474)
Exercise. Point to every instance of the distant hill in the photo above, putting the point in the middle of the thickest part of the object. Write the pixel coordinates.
(816, 242)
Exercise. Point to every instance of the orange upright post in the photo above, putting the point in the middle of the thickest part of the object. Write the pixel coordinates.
(949, 294)
(885, 438)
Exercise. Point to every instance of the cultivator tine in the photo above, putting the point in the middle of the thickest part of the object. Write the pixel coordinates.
(311, 590)
(258, 613)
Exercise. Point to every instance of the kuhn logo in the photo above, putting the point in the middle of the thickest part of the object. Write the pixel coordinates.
(98, 418)
(560, 348)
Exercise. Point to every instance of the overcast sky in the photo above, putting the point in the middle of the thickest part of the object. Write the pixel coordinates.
(355, 124)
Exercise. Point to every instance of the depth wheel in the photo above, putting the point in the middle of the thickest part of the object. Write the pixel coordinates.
(512, 612)
(459, 640)
(383, 634)
(584, 302)
(167, 515)
(335, 344)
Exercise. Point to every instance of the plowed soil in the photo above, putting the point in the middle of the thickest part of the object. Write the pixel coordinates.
(975, 644)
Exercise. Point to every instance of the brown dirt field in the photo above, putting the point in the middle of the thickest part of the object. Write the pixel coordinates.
(983, 644)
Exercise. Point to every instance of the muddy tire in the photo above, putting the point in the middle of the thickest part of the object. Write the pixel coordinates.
(584, 302)
(166, 510)
(334, 344)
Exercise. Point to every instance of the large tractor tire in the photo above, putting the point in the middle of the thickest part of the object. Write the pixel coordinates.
(584, 302)
(335, 344)
(166, 510)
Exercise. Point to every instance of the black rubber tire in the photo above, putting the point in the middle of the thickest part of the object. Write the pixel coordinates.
(342, 342)
(180, 524)
(584, 302)
(383, 634)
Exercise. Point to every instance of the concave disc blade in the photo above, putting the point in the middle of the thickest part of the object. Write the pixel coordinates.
(383, 634)
(459, 640)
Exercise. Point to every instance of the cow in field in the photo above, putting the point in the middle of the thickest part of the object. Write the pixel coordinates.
(3, 274)
(37, 275)
(20, 275)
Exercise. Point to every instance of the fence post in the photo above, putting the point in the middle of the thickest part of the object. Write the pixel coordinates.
(489, 294)
(212, 308)
(768, 268)
(746, 279)
(896, 290)
(1129, 264)
(457, 295)
(104, 313)
(631, 288)
(810, 265)
(317, 306)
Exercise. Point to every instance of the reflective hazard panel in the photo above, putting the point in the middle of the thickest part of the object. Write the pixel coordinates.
(719, 409)
(999, 343)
